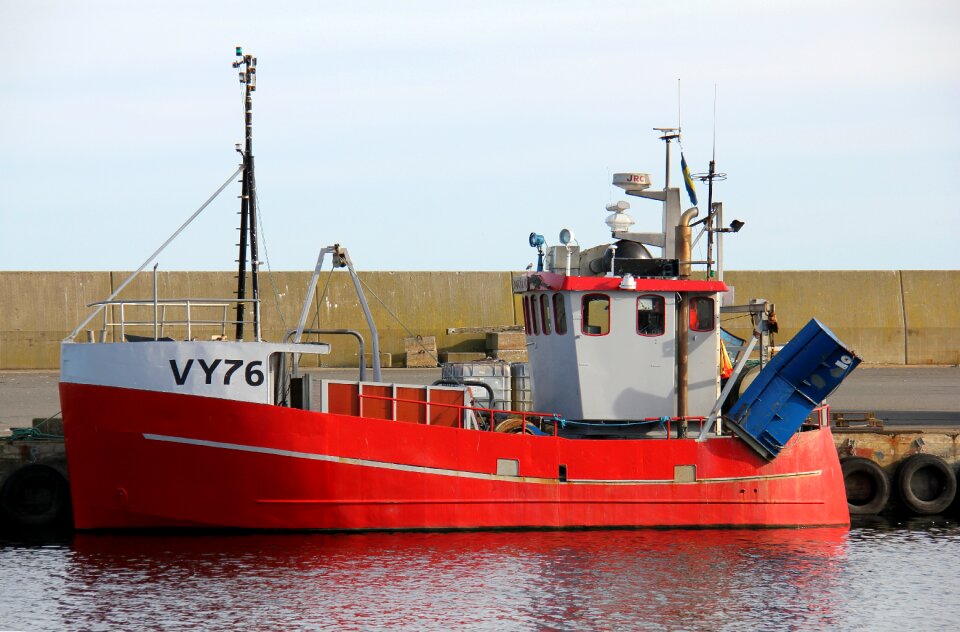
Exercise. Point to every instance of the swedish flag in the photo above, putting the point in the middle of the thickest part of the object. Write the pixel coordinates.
(687, 180)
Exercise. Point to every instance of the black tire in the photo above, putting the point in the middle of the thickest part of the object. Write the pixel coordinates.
(926, 484)
(866, 484)
(35, 496)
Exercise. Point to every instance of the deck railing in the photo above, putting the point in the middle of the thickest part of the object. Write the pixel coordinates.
(820, 417)
(190, 314)
(463, 410)
(538, 419)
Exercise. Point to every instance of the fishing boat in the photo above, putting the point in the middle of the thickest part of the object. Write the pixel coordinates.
(632, 422)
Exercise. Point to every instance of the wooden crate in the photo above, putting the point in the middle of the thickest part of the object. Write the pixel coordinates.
(506, 340)
(462, 356)
(421, 351)
(511, 355)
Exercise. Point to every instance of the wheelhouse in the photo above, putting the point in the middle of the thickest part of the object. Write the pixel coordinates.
(617, 356)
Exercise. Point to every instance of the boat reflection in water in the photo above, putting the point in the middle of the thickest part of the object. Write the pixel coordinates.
(648, 578)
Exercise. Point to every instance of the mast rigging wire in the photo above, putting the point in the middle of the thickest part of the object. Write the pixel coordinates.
(397, 318)
(150, 259)
(266, 256)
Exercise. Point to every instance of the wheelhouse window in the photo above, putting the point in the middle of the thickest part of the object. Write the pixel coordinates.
(526, 315)
(701, 313)
(596, 314)
(650, 315)
(535, 326)
(545, 313)
(559, 314)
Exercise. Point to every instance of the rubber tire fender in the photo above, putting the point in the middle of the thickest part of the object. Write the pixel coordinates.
(35, 496)
(926, 484)
(866, 485)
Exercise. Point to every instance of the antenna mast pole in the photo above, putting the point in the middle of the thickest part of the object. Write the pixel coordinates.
(714, 215)
(248, 201)
(710, 174)
(668, 134)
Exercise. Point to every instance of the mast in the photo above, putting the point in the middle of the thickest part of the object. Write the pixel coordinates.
(709, 228)
(714, 221)
(681, 233)
(248, 201)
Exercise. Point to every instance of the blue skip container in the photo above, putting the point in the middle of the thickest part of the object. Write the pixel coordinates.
(785, 392)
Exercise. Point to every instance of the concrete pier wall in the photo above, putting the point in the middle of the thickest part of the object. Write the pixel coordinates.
(890, 317)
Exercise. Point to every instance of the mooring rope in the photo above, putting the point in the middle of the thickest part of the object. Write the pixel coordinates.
(35, 432)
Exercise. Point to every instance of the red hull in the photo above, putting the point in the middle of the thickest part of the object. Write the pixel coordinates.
(149, 459)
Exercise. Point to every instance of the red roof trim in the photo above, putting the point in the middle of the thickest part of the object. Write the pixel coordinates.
(553, 281)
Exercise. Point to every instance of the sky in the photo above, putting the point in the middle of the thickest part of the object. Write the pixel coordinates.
(436, 135)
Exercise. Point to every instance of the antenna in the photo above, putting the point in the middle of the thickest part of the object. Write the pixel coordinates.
(679, 126)
(709, 178)
(248, 200)
(713, 156)
(667, 135)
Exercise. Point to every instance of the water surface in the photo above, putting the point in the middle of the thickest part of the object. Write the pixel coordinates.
(875, 576)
